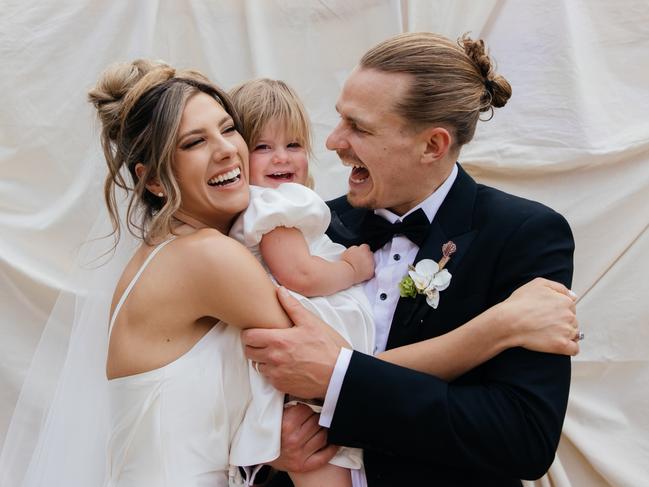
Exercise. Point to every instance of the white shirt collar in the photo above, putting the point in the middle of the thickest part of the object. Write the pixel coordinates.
(430, 205)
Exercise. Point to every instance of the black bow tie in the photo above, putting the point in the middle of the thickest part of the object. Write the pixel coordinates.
(377, 231)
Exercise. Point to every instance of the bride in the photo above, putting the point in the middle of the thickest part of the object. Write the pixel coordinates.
(178, 406)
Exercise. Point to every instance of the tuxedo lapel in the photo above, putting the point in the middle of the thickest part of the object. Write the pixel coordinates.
(453, 222)
(345, 227)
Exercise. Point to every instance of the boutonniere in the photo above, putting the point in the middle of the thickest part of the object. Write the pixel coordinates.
(428, 277)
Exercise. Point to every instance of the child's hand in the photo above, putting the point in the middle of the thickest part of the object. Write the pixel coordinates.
(361, 259)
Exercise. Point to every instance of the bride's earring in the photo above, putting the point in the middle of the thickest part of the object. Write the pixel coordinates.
(160, 194)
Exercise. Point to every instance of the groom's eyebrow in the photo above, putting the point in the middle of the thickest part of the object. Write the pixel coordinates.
(352, 119)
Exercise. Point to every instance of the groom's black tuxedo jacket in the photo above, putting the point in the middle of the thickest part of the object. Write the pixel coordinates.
(496, 424)
(500, 422)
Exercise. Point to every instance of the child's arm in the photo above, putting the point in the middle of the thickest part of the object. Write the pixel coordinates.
(286, 253)
(327, 476)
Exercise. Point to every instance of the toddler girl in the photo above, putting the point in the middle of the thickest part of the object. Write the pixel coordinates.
(284, 227)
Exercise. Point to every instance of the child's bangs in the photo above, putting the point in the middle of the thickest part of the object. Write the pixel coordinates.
(297, 128)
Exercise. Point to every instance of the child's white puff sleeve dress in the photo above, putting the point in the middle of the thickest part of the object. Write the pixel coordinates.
(348, 311)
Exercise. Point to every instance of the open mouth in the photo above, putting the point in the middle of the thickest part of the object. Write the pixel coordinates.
(359, 173)
(281, 176)
(226, 178)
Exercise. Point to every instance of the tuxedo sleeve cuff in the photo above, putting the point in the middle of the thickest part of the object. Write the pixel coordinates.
(335, 384)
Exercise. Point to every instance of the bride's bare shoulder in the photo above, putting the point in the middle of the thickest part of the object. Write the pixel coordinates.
(207, 247)
(208, 264)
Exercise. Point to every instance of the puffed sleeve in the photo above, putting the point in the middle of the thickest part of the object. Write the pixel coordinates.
(289, 205)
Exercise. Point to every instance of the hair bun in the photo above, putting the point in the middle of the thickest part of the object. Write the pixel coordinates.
(114, 84)
(497, 88)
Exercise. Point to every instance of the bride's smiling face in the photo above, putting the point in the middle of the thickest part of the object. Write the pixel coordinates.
(210, 164)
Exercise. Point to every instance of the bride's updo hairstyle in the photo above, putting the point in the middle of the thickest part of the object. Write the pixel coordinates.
(452, 82)
(140, 105)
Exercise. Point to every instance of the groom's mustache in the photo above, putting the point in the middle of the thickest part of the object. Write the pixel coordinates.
(347, 155)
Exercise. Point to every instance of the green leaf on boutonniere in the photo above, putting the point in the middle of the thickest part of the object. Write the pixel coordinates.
(407, 288)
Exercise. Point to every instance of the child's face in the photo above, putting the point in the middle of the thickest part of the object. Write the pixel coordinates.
(277, 158)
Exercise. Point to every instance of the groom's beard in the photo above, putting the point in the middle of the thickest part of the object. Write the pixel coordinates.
(368, 201)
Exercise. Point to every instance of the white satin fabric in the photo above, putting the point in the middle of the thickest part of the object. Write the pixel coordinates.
(185, 423)
(173, 425)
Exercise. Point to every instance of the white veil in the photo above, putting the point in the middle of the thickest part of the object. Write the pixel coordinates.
(59, 430)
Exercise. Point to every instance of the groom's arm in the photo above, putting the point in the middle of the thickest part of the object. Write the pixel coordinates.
(509, 422)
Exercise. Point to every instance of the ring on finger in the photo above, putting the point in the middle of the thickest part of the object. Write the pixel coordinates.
(580, 336)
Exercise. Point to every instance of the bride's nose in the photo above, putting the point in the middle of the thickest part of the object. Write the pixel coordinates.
(223, 149)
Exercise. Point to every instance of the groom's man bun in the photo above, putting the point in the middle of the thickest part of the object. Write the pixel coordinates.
(452, 82)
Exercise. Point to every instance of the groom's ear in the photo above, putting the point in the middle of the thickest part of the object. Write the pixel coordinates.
(437, 142)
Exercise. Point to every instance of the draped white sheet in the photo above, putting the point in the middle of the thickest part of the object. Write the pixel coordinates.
(575, 136)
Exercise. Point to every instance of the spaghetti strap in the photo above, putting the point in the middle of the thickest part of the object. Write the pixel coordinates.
(129, 288)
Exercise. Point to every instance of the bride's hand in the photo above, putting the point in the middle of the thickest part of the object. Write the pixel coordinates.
(540, 316)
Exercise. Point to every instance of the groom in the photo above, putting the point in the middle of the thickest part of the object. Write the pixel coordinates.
(405, 111)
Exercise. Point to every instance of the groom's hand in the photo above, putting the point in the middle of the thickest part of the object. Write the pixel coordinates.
(298, 360)
(304, 441)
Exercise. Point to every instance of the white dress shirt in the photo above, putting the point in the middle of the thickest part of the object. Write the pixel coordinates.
(391, 265)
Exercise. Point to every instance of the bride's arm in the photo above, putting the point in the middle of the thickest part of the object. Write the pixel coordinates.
(229, 284)
(538, 316)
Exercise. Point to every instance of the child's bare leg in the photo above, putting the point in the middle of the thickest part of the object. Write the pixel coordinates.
(327, 476)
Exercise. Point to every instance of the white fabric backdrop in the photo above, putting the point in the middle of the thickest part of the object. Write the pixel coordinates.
(575, 136)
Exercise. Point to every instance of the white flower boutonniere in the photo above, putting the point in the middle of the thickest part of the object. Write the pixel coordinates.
(428, 277)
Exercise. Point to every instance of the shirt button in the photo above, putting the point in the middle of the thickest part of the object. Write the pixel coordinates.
(383, 296)
(396, 257)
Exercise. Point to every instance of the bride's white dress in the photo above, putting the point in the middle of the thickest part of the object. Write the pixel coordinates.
(182, 425)
(185, 423)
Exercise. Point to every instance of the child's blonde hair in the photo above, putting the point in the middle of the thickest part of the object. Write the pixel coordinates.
(261, 101)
